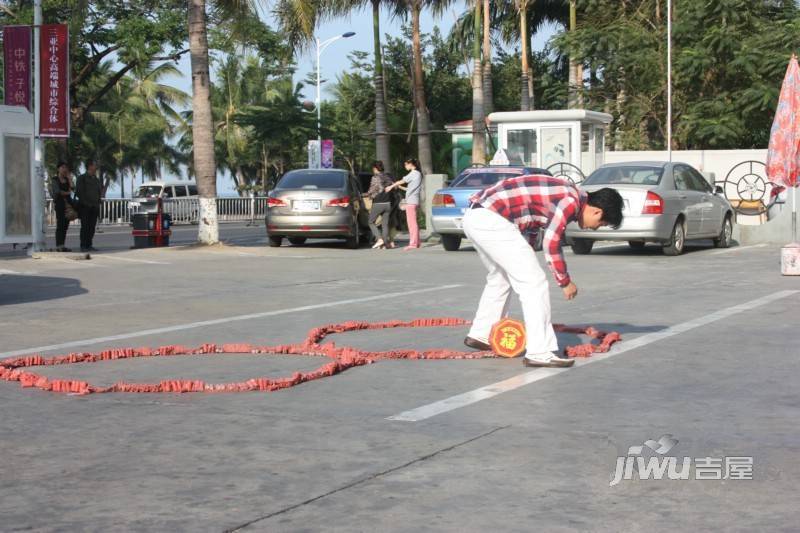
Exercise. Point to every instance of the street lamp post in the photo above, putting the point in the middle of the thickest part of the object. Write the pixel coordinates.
(320, 47)
(669, 79)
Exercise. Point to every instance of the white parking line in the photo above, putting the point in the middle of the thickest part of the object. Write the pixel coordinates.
(215, 322)
(738, 249)
(128, 259)
(489, 391)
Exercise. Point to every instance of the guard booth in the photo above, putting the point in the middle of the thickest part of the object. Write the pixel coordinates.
(16, 175)
(569, 143)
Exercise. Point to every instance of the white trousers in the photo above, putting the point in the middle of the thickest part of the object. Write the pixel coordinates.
(512, 264)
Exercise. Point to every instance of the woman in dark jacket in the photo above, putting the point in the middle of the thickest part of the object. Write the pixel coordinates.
(61, 190)
(381, 205)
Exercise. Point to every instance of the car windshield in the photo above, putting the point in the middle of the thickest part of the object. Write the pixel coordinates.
(312, 180)
(148, 191)
(625, 175)
(480, 180)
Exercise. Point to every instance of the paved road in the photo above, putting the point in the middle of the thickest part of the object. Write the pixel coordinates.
(118, 238)
(709, 356)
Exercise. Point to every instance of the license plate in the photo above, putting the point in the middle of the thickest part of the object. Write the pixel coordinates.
(306, 205)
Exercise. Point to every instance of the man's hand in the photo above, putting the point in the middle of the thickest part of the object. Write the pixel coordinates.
(570, 291)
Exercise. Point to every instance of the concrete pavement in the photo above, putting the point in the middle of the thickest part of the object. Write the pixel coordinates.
(326, 456)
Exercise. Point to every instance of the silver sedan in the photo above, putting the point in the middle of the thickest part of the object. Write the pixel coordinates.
(316, 203)
(665, 203)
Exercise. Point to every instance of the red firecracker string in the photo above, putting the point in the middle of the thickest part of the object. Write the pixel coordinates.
(342, 358)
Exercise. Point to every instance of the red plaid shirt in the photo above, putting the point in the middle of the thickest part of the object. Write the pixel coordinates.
(534, 202)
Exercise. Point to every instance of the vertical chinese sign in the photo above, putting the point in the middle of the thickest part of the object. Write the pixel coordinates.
(17, 65)
(327, 153)
(54, 73)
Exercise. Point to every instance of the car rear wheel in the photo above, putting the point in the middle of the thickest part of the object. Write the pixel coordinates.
(582, 246)
(274, 242)
(297, 240)
(724, 239)
(678, 239)
(636, 245)
(451, 243)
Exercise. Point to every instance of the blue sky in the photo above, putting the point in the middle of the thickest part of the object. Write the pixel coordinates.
(335, 58)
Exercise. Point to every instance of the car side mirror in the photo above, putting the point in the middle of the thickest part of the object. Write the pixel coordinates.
(718, 190)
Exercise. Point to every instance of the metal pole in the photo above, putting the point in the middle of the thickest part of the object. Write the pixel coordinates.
(38, 203)
(319, 111)
(794, 213)
(669, 79)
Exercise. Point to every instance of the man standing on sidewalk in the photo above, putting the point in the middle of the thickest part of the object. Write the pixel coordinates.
(495, 223)
(89, 191)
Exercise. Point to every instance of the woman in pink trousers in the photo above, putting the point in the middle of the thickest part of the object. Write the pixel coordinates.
(413, 183)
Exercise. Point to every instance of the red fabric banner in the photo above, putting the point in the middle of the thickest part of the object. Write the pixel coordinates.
(54, 75)
(17, 65)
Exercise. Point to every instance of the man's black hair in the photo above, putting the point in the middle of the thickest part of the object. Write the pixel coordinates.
(62, 163)
(610, 201)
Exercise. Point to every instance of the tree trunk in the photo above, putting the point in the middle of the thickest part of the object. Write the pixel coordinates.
(478, 122)
(488, 90)
(575, 94)
(423, 119)
(620, 112)
(240, 180)
(205, 167)
(381, 138)
(525, 100)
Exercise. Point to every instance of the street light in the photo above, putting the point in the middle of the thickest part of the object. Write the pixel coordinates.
(669, 79)
(320, 47)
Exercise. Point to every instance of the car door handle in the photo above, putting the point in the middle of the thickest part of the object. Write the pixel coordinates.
(682, 197)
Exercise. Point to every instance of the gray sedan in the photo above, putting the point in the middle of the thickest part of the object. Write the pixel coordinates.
(665, 203)
(316, 203)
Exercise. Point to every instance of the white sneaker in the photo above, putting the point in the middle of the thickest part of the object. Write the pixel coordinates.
(546, 359)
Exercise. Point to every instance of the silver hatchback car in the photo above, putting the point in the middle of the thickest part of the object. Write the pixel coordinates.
(315, 203)
(665, 203)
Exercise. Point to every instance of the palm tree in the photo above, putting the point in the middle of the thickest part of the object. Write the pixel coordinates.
(420, 103)
(382, 152)
(575, 68)
(129, 130)
(520, 23)
(488, 90)
(478, 120)
(525, 96)
(205, 166)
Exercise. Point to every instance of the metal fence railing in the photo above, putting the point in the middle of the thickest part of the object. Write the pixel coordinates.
(182, 210)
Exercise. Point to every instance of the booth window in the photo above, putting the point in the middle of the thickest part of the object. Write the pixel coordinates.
(521, 147)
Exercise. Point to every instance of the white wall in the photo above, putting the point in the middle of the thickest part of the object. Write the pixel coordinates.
(718, 162)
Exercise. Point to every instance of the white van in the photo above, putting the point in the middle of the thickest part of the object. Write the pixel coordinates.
(144, 201)
(166, 189)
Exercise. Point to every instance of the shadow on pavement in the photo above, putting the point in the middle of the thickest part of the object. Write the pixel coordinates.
(18, 289)
(570, 339)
